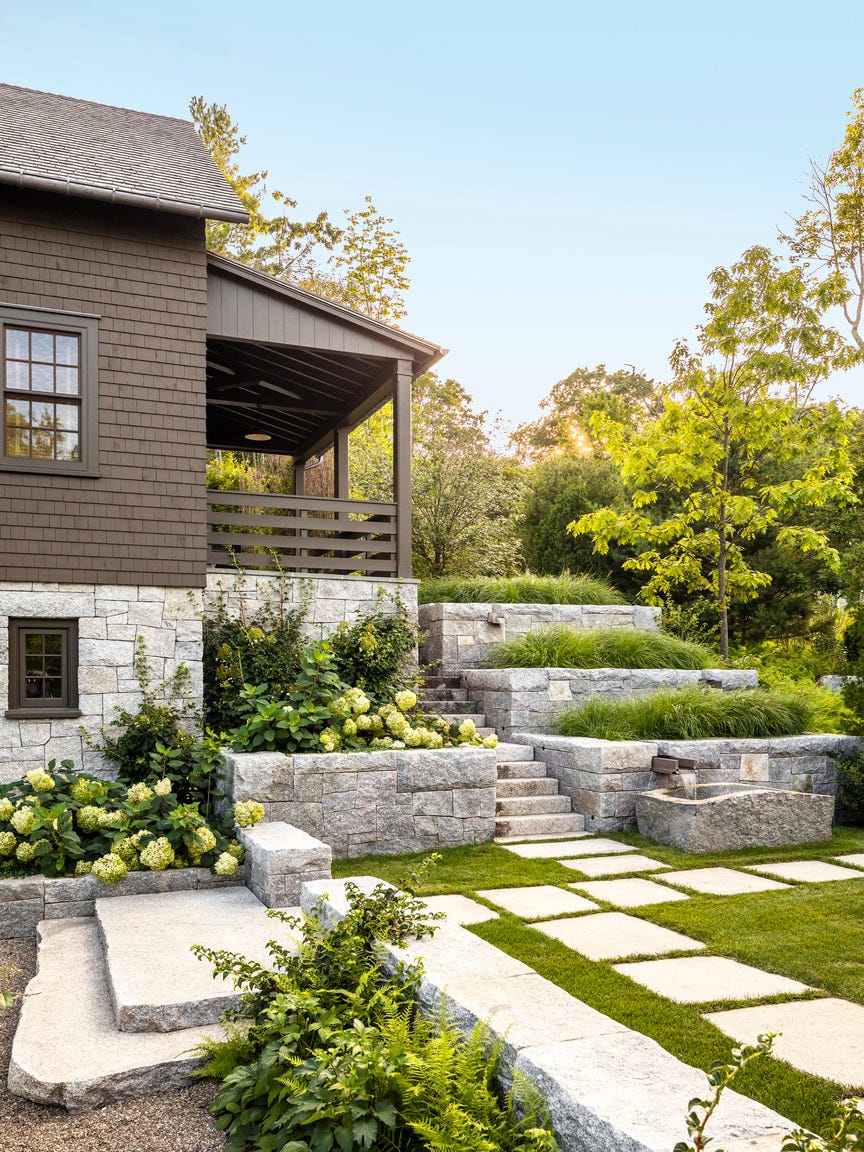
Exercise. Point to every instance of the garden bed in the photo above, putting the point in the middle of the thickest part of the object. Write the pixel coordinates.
(604, 777)
(386, 801)
(461, 636)
(515, 699)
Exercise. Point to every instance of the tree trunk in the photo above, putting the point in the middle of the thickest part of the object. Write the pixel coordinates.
(721, 595)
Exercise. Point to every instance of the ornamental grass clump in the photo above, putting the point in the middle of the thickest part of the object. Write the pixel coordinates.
(59, 822)
(525, 589)
(559, 647)
(693, 713)
(329, 1053)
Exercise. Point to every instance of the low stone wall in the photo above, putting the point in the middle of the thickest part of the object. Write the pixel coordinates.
(459, 636)
(111, 618)
(374, 802)
(329, 599)
(604, 777)
(516, 699)
(24, 902)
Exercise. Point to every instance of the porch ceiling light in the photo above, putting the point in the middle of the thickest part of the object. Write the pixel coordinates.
(258, 434)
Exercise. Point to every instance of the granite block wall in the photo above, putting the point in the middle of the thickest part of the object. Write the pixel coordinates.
(460, 636)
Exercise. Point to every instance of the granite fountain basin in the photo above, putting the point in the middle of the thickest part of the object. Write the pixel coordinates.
(717, 817)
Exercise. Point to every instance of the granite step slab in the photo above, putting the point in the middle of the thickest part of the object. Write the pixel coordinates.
(526, 786)
(521, 770)
(508, 753)
(539, 825)
(532, 805)
(172, 989)
(68, 1050)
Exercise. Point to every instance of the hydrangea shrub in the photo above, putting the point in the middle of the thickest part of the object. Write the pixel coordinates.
(59, 822)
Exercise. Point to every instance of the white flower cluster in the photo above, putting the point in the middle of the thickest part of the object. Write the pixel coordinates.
(157, 854)
(108, 868)
(247, 813)
(40, 781)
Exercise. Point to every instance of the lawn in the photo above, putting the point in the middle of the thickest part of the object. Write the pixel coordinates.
(811, 932)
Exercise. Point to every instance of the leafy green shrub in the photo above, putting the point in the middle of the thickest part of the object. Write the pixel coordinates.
(526, 589)
(261, 648)
(372, 653)
(692, 713)
(57, 821)
(559, 647)
(321, 713)
(329, 1052)
(850, 792)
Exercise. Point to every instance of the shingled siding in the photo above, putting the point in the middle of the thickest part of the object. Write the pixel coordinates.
(143, 520)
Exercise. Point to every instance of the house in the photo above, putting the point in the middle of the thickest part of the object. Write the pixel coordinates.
(128, 350)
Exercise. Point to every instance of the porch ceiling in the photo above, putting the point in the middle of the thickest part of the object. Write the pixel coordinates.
(293, 364)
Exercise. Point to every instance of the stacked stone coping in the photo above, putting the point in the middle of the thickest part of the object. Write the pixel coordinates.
(24, 902)
(329, 599)
(460, 636)
(111, 618)
(531, 698)
(605, 1086)
(604, 777)
(280, 858)
(363, 803)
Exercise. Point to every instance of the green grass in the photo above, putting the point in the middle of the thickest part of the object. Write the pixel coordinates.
(559, 647)
(526, 589)
(813, 933)
(693, 713)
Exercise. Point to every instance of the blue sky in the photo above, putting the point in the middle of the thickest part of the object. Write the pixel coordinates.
(564, 175)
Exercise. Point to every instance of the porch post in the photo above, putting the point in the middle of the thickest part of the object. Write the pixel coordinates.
(402, 464)
(341, 482)
(299, 477)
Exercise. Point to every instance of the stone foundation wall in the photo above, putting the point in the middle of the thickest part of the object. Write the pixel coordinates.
(460, 636)
(111, 618)
(374, 802)
(329, 599)
(604, 777)
(519, 699)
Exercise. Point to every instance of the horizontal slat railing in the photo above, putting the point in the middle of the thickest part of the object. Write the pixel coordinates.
(301, 533)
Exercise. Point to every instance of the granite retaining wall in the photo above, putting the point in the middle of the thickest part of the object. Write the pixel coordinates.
(515, 699)
(374, 802)
(604, 777)
(460, 636)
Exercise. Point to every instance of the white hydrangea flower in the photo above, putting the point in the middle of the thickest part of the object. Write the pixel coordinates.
(25, 851)
(405, 700)
(40, 781)
(349, 728)
(490, 741)
(162, 787)
(226, 864)
(467, 729)
(236, 849)
(108, 868)
(6, 809)
(23, 820)
(81, 790)
(8, 843)
(139, 793)
(204, 839)
(83, 867)
(158, 854)
(248, 812)
(111, 819)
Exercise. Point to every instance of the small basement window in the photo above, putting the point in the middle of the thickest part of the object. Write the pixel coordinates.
(43, 668)
(48, 362)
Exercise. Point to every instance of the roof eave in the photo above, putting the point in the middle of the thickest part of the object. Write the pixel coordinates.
(20, 179)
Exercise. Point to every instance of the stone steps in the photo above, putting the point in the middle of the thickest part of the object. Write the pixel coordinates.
(522, 770)
(452, 707)
(545, 805)
(546, 825)
(434, 696)
(526, 786)
(514, 753)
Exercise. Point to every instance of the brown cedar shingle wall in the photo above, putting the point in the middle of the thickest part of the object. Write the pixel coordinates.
(143, 521)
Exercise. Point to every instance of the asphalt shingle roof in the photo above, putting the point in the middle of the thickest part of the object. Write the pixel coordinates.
(61, 144)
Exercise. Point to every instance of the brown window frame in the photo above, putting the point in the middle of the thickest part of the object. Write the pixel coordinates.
(22, 708)
(86, 328)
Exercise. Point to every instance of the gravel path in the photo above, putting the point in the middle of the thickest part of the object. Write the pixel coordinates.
(176, 1121)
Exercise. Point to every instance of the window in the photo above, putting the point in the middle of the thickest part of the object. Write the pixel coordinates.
(49, 391)
(43, 668)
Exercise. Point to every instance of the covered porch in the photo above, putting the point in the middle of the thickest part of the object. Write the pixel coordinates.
(293, 374)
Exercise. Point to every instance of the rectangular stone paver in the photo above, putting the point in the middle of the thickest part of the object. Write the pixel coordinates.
(822, 1037)
(615, 936)
(810, 871)
(611, 865)
(856, 858)
(460, 909)
(537, 901)
(721, 881)
(584, 847)
(632, 893)
(701, 979)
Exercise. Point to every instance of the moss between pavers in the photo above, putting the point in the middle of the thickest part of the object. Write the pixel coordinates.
(817, 936)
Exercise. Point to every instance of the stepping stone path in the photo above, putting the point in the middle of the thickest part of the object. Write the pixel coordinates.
(615, 935)
(702, 979)
(810, 871)
(538, 900)
(632, 893)
(721, 881)
(585, 846)
(822, 1037)
(611, 865)
(856, 858)
(460, 909)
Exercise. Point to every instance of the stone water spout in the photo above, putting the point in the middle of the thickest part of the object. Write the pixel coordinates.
(679, 773)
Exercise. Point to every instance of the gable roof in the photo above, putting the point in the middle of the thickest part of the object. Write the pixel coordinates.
(60, 144)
